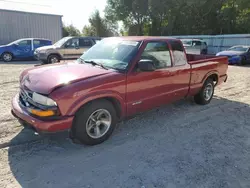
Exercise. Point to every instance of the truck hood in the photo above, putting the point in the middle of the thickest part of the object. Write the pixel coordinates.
(45, 79)
(229, 53)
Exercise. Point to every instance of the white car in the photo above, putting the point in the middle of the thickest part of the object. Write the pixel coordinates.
(195, 46)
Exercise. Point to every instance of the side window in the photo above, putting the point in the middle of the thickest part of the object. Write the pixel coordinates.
(25, 43)
(72, 43)
(179, 56)
(248, 50)
(159, 53)
(44, 42)
(85, 43)
(37, 42)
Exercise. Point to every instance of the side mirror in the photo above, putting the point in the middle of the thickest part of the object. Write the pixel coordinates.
(146, 65)
(77, 47)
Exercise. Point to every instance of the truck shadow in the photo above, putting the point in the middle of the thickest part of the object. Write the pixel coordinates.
(185, 139)
(20, 62)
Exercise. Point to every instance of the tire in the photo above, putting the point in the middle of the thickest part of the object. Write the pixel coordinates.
(53, 59)
(82, 132)
(202, 98)
(243, 60)
(7, 57)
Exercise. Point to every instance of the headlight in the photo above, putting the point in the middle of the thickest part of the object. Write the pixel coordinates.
(46, 101)
(41, 51)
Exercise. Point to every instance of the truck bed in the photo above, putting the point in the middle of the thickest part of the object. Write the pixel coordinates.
(197, 58)
(202, 65)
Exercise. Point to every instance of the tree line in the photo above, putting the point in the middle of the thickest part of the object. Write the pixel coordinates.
(171, 17)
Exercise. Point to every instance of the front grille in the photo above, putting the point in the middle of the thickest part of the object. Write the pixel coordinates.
(25, 98)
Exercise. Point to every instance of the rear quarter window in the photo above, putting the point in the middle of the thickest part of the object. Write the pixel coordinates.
(45, 42)
(179, 56)
(42, 42)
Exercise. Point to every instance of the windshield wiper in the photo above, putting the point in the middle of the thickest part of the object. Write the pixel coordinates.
(95, 64)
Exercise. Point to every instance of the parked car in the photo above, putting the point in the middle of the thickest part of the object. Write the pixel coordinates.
(195, 46)
(116, 78)
(237, 55)
(22, 48)
(66, 48)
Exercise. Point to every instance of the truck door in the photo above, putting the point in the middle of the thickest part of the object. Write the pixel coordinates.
(23, 49)
(181, 70)
(146, 90)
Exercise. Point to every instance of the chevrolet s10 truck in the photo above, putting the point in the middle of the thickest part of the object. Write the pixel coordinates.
(116, 78)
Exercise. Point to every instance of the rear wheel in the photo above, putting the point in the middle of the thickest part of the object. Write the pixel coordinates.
(53, 59)
(206, 94)
(7, 57)
(243, 60)
(94, 123)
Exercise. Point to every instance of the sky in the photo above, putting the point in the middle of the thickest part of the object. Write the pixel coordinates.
(74, 12)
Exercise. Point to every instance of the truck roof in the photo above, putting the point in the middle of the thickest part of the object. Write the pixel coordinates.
(144, 38)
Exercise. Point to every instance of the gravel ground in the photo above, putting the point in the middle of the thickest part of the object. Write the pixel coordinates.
(179, 145)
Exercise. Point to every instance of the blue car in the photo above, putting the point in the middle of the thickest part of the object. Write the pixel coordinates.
(237, 55)
(22, 48)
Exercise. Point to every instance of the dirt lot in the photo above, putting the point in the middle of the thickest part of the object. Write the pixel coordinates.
(180, 145)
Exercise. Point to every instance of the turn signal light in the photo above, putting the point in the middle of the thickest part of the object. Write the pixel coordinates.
(42, 113)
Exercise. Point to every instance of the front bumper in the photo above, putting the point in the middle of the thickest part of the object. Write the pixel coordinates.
(40, 126)
(40, 56)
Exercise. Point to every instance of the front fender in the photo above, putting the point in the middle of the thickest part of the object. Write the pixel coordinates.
(94, 96)
(6, 49)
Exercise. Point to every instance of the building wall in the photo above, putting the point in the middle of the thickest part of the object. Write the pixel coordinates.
(15, 25)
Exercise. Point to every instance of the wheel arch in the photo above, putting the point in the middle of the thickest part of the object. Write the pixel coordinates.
(213, 75)
(114, 99)
(7, 52)
(56, 54)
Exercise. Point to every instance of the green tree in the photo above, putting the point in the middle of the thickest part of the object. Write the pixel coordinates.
(88, 31)
(178, 17)
(99, 26)
(70, 31)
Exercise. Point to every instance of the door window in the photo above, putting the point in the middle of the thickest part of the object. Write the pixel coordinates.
(24, 43)
(159, 53)
(72, 43)
(179, 56)
(85, 43)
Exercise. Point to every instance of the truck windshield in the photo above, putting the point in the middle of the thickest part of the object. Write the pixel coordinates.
(61, 42)
(112, 53)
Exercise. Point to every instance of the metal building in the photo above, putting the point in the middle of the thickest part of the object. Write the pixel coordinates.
(217, 43)
(19, 24)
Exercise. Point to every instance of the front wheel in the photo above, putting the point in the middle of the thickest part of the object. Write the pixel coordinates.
(7, 57)
(53, 59)
(94, 123)
(206, 94)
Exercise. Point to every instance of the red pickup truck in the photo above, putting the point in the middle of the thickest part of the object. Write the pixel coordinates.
(116, 78)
